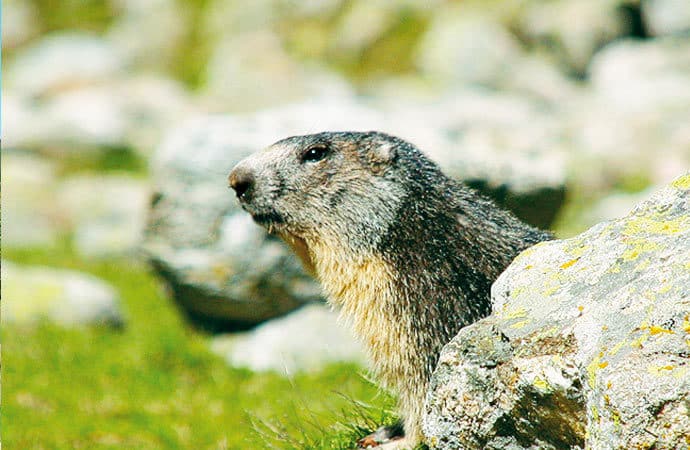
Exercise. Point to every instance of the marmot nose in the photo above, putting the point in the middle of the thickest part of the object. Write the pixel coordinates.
(242, 181)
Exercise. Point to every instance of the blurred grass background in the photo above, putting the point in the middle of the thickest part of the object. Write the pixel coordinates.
(155, 383)
(305, 38)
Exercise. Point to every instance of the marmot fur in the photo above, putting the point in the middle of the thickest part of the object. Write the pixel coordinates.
(406, 253)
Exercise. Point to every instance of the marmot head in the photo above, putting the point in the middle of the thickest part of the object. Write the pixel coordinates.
(343, 185)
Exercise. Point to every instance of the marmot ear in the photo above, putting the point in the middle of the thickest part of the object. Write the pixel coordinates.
(377, 151)
(383, 152)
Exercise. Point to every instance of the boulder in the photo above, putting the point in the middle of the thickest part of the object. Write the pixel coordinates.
(159, 49)
(30, 217)
(252, 70)
(106, 213)
(464, 46)
(571, 31)
(664, 17)
(225, 271)
(85, 121)
(62, 60)
(305, 340)
(587, 344)
(638, 76)
(632, 119)
(31, 294)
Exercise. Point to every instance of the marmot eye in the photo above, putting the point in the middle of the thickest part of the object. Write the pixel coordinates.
(315, 153)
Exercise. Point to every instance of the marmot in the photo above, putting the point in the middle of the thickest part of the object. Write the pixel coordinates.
(406, 253)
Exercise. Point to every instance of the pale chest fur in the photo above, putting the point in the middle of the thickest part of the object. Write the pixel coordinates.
(363, 290)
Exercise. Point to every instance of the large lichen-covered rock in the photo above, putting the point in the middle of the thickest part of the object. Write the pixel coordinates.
(588, 344)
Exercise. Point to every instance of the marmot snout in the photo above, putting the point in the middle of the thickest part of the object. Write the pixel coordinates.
(406, 253)
(298, 182)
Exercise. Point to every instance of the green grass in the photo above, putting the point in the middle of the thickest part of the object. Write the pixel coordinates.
(155, 384)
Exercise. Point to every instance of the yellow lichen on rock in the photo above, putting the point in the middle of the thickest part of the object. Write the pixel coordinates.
(541, 384)
(569, 263)
(648, 225)
(682, 183)
(638, 247)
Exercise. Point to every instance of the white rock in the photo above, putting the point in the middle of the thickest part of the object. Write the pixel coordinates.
(305, 340)
(252, 70)
(30, 217)
(662, 17)
(157, 49)
(151, 105)
(634, 115)
(19, 121)
(467, 47)
(363, 24)
(639, 76)
(572, 30)
(540, 78)
(86, 119)
(62, 61)
(106, 212)
(68, 298)
(129, 113)
(81, 120)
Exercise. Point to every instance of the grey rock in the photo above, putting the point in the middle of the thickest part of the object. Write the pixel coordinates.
(223, 270)
(128, 113)
(29, 215)
(664, 17)
(636, 76)
(467, 47)
(19, 120)
(587, 344)
(305, 340)
(571, 30)
(252, 70)
(82, 120)
(156, 51)
(226, 272)
(107, 213)
(540, 78)
(362, 24)
(62, 61)
(633, 116)
(150, 106)
(31, 294)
